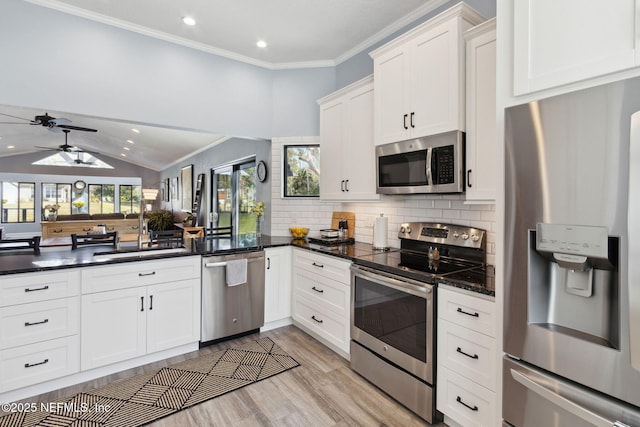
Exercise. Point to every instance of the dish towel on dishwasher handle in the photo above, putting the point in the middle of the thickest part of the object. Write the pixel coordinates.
(236, 272)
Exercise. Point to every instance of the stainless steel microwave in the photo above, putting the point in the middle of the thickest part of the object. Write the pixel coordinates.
(431, 164)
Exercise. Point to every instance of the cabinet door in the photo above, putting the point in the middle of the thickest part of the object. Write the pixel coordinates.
(113, 327)
(391, 104)
(482, 136)
(358, 148)
(331, 141)
(435, 86)
(559, 42)
(173, 314)
(277, 284)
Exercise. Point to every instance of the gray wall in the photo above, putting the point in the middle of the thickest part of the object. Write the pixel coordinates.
(52, 60)
(224, 153)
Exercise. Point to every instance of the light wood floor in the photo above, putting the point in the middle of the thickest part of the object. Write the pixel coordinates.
(323, 391)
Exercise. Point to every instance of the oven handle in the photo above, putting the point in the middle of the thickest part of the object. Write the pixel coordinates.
(396, 282)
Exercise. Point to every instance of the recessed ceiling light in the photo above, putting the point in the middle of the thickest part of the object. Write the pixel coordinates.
(130, 141)
(127, 148)
(11, 146)
(123, 155)
(135, 130)
(189, 21)
(261, 43)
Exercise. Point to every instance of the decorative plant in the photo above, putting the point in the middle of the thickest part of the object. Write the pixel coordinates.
(78, 204)
(52, 208)
(160, 220)
(258, 210)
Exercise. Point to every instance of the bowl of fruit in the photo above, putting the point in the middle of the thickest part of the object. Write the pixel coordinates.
(299, 232)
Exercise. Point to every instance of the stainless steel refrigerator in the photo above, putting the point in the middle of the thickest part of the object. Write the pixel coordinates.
(572, 270)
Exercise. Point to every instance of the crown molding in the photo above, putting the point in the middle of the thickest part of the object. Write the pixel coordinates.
(428, 7)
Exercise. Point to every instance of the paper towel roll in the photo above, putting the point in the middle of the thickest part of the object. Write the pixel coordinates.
(380, 232)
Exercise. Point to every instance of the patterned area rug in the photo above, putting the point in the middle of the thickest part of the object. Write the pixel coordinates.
(139, 400)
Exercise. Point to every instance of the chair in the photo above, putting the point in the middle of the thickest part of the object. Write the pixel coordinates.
(166, 237)
(94, 239)
(219, 232)
(21, 244)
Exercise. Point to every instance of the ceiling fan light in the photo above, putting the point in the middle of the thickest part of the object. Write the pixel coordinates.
(261, 44)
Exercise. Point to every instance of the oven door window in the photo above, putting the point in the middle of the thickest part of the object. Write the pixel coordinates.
(403, 169)
(397, 318)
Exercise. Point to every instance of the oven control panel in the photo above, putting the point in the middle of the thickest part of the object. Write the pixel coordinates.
(446, 234)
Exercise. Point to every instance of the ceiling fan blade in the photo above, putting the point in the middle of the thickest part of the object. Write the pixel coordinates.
(16, 117)
(47, 148)
(76, 128)
(14, 123)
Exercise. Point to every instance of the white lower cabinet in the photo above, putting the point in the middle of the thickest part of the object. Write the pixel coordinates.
(138, 318)
(39, 325)
(277, 287)
(466, 369)
(321, 295)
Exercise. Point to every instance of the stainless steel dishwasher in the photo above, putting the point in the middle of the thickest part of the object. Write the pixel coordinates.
(231, 310)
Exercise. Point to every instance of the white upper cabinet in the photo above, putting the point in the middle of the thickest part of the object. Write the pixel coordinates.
(482, 135)
(420, 78)
(560, 42)
(347, 158)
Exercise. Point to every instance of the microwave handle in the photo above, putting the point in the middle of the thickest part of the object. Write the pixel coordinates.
(428, 165)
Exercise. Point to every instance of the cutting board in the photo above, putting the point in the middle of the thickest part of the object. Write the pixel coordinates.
(349, 216)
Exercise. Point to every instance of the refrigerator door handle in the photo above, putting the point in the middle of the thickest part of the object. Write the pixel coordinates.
(563, 402)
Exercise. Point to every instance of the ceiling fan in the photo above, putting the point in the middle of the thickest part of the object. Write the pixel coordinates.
(47, 121)
(66, 148)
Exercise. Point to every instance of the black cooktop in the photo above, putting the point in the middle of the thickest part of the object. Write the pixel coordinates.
(415, 265)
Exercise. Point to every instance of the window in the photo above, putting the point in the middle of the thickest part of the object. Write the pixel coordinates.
(18, 202)
(301, 170)
(102, 198)
(56, 194)
(130, 196)
(234, 194)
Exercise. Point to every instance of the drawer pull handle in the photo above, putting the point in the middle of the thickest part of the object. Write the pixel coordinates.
(459, 350)
(459, 400)
(141, 303)
(86, 229)
(59, 230)
(317, 320)
(320, 291)
(36, 323)
(317, 265)
(467, 313)
(29, 365)
(146, 274)
(134, 227)
(44, 288)
(151, 302)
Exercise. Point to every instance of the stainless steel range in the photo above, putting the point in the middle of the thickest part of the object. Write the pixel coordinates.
(393, 308)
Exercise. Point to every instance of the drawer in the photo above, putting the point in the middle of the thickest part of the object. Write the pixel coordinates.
(33, 287)
(464, 401)
(139, 273)
(468, 353)
(327, 266)
(465, 310)
(36, 363)
(38, 321)
(327, 325)
(324, 292)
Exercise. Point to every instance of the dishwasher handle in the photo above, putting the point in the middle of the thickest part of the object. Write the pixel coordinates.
(215, 264)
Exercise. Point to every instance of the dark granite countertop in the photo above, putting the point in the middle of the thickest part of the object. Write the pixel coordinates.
(54, 258)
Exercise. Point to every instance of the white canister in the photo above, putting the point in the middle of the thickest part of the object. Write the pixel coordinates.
(380, 232)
